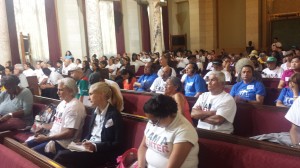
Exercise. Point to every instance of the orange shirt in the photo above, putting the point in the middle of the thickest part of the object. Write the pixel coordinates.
(129, 86)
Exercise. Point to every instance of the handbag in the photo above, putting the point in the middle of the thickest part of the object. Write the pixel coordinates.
(128, 159)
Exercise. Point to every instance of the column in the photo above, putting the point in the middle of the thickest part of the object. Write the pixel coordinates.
(194, 6)
(4, 34)
(94, 27)
(252, 23)
(155, 26)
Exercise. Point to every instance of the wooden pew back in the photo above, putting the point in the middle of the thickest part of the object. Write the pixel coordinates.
(230, 151)
(251, 120)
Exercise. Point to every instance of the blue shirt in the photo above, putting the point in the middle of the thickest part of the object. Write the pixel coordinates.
(286, 97)
(193, 85)
(248, 91)
(146, 82)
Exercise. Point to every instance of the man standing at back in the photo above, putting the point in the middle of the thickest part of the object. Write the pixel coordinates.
(215, 109)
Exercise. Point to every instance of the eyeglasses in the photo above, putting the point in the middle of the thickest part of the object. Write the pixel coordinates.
(154, 122)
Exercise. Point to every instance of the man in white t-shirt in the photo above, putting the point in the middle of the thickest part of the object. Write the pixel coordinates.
(159, 84)
(112, 67)
(293, 116)
(215, 109)
(68, 64)
(68, 122)
(272, 70)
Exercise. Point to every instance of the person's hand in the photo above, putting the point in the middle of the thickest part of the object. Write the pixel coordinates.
(41, 138)
(137, 84)
(5, 118)
(89, 146)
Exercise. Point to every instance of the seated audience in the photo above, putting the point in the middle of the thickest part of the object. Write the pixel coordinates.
(8, 71)
(117, 61)
(215, 109)
(182, 61)
(95, 66)
(112, 68)
(103, 64)
(193, 59)
(145, 81)
(68, 64)
(78, 62)
(218, 66)
(174, 89)
(86, 68)
(104, 134)
(272, 70)
(295, 68)
(18, 71)
(125, 65)
(49, 86)
(28, 70)
(240, 64)
(287, 95)
(38, 71)
(128, 79)
(165, 61)
(100, 77)
(8, 64)
(169, 139)
(81, 82)
(194, 84)
(288, 57)
(257, 66)
(67, 125)
(136, 62)
(249, 89)
(59, 65)
(262, 58)
(15, 105)
(49, 66)
(159, 84)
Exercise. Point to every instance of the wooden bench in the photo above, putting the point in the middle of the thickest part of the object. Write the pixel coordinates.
(271, 82)
(33, 84)
(217, 149)
(133, 126)
(230, 151)
(251, 120)
(16, 155)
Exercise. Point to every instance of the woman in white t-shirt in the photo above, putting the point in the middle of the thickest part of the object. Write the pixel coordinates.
(169, 140)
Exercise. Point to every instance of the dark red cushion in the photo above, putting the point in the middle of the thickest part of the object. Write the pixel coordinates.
(226, 155)
(134, 103)
(11, 159)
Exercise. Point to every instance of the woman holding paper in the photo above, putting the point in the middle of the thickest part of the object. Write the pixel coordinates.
(104, 134)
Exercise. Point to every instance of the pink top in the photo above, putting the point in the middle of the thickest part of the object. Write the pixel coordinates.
(186, 111)
(286, 76)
